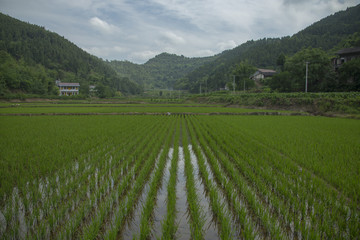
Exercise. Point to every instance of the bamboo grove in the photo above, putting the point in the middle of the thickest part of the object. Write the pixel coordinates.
(186, 177)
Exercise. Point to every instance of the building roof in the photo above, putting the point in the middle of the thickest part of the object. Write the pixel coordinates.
(69, 84)
(348, 51)
(266, 70)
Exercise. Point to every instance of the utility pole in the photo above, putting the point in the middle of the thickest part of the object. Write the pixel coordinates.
(200, 88)
(306, 76)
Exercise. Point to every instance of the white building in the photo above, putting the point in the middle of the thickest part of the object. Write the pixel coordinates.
(68, 89)
(262, 73)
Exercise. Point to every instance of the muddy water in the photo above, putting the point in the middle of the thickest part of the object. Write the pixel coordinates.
(183, 231)
(210, 225)
(132, 227)
(160, 209)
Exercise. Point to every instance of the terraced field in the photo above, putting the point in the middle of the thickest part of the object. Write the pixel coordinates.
(179, 177)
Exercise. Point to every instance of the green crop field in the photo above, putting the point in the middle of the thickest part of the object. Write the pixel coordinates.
(178, 176)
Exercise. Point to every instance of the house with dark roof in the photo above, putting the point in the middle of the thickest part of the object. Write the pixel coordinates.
(345, 55)
(68, 89)
(262, 73)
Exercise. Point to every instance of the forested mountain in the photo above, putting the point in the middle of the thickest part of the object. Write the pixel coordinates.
(32, 58)
(328, 34)
(160, 72)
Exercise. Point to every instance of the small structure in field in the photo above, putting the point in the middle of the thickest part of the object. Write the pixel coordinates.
(262, 73)
(68, 89)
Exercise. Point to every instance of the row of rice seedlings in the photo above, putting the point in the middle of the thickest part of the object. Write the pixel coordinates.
(126, 184)
(217, 205)
(146, 221)
(68, 206)
(42, 201)
(93, 186)
(196, 212)
(299, 200)
(295, 184)
(125, 207)
(133, 221)
(251, 178)
(72, 197)
(161, 199)
(168, 224)
(247, 228)
(253, 193)
(183, 227)
(312, 142)
(125, 167)
(291, 216)
(211, 230)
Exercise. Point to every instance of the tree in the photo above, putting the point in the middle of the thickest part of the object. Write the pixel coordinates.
(349, 75)
(104, 91)
(243, 71)
(281, 61)
(282, 82)
(318, 67)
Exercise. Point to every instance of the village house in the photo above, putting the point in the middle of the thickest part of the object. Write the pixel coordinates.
(262, 73)
(345, 55)
(68, 89)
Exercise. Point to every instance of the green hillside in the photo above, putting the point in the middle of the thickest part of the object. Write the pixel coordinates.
(160, 72)
(328, 34)
(32, 58)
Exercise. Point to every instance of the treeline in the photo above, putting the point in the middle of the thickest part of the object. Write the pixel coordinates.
(38, 57)
(160, 72)
(328, 35)
(321, 76)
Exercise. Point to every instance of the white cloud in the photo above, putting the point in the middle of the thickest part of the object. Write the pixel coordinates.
(172, 38)
(103, 26)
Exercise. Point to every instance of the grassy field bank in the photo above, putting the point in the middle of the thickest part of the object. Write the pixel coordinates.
(315, 103)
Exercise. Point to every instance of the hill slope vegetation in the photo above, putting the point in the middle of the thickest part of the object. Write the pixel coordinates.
(328, 34)
(32, 58)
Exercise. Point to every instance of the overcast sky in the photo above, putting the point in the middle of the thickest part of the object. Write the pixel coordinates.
(137, 30)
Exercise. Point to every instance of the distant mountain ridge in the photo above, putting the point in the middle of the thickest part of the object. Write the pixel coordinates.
(160, 72)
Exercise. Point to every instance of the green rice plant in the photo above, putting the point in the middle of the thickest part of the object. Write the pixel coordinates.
(146, 214)
(291, 185)
(196, 213)
(243, 216)
(216, 205)
(269, 223)
(96, 223)
(168, 225)
(125, 209)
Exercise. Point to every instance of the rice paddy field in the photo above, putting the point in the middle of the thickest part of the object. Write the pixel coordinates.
(176, 176)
